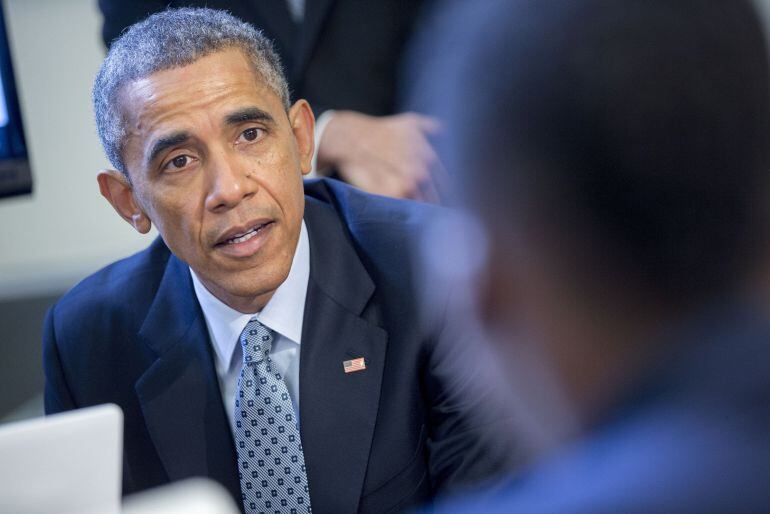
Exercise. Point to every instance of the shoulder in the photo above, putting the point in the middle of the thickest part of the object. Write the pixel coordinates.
(120, 292)
(387, 234)
(376, 222)
(671, 458)
(387, 238)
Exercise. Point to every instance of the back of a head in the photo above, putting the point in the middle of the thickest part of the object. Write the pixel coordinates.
(643, 123)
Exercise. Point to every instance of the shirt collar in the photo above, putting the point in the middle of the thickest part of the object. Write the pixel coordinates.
(283, 313)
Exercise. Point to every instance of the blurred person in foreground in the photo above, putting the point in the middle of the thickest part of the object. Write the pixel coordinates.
(270, 338)
(344, 57)
(615, 156)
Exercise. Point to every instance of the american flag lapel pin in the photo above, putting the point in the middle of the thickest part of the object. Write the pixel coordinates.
(354, 365)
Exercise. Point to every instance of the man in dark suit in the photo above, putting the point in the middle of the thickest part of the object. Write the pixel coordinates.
(270, 338)
(616, 156)
(344, 57)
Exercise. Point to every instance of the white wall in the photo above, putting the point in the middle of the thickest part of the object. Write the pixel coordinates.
(65, 230)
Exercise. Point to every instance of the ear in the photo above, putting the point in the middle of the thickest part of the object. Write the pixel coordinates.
(115, 187)
(302, 124)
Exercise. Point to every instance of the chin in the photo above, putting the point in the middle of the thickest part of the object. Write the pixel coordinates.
(254, 282)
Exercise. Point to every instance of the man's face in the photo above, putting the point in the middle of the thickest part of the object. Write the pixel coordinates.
(216, 164)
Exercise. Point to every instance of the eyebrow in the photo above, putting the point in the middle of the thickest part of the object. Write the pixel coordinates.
(166, 142)
(248, 114)
(234, 118)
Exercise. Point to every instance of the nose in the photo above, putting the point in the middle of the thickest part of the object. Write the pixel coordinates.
(230, 182)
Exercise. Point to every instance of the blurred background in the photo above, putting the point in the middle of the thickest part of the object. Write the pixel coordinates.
(63, 230)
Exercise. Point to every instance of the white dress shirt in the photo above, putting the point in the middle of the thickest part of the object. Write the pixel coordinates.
(283, 314)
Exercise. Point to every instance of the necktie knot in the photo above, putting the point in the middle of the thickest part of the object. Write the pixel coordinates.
(256, 341)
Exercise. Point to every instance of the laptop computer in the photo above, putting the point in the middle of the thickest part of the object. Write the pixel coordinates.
(66, 463)
(192, 496)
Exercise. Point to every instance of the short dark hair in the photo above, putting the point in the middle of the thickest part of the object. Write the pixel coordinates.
(171, 39)
(649, 120)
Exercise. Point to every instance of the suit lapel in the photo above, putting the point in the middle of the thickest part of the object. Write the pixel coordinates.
(316, 13)
(338, 409)
(179, 394)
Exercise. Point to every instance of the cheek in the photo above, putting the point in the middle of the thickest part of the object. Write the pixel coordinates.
(175, 217)
(282, 178)
(294, 194)
(279, 162)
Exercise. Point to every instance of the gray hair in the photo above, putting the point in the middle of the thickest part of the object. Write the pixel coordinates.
(171, 39)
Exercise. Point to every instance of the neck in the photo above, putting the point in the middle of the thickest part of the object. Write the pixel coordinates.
(249, 304)
(604, 351)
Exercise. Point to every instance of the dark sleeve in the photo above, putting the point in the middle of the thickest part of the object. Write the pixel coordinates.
(120, 14)
(57, 393)
(465, 447)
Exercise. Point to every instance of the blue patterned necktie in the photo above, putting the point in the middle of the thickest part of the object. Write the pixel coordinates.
(271, 465)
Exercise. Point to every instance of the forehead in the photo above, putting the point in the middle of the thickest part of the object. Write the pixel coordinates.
(220, 80)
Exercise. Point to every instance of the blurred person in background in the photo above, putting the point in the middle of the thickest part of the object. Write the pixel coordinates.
(344, 57)
(270, 338)
(615, 158)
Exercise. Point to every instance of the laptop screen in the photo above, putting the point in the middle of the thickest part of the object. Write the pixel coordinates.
(67, 463)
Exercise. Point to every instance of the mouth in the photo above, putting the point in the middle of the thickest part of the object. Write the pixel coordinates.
(244, 241)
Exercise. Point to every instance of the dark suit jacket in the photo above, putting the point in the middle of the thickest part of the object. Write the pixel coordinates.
(345, 55)
(377, 440)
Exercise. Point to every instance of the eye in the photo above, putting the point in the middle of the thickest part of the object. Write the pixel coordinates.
(250, 134)
(178, 163)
